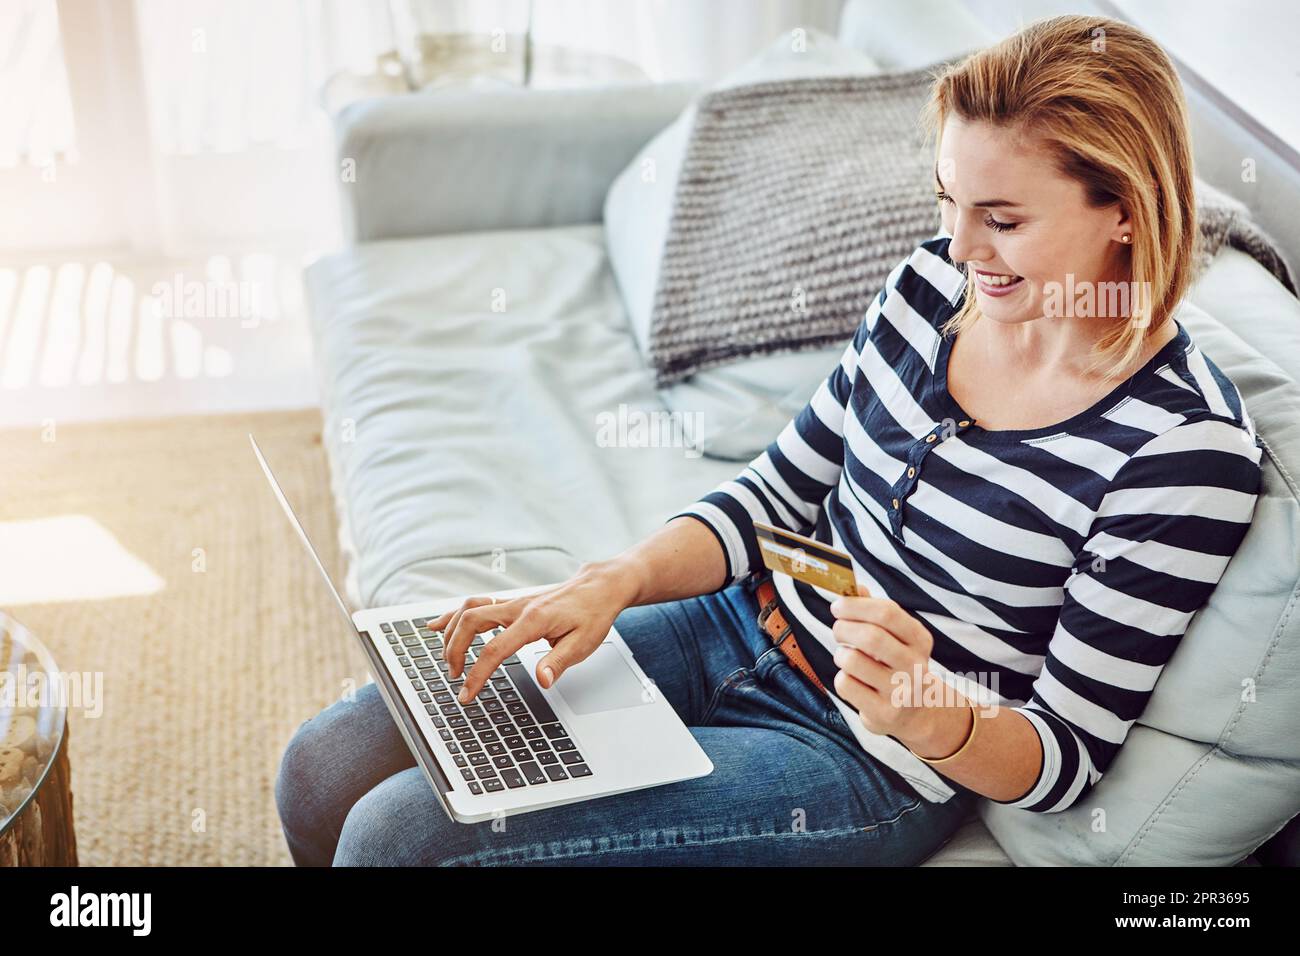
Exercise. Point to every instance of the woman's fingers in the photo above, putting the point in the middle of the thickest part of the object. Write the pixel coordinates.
(475, 615)
(524, 630)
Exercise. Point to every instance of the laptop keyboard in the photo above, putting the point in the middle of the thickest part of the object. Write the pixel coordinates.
(505, 738)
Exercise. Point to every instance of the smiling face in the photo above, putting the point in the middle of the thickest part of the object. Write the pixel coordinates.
(1012, 214)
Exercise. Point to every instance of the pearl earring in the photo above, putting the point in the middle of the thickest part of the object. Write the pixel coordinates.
(1125, 238)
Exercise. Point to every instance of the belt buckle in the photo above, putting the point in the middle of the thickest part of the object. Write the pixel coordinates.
(764, 614)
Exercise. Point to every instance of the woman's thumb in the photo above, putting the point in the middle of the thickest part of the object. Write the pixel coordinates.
(550, 668)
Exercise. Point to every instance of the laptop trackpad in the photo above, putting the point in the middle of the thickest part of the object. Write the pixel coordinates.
(602, 682)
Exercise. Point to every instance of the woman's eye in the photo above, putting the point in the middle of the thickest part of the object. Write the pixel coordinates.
(988, 220)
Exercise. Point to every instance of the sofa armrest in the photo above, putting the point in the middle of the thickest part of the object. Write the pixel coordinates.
(462, 160)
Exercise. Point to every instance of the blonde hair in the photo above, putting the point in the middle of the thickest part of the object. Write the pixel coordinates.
(1105, 101)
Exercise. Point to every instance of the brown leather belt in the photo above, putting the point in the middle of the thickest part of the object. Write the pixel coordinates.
(771, 620)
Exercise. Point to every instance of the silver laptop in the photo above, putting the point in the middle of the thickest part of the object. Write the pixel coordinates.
(602, 729)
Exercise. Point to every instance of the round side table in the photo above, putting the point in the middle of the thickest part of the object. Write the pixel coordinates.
(35, 782)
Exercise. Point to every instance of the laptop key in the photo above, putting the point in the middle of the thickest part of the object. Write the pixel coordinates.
(492, 786)
(477, 760)
(571, 757)
(554, 730)
(503, 761)
(387, 628)
(556, 772)
(563, 743)
(512, 779)
(521, 755)
(531, 733)
(485, 771)
(579, 770)
(467, 774)
(403, 627)
(548, 758)
(532, 773)
(475, 787)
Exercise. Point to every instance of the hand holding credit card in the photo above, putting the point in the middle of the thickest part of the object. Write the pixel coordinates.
(806, 560)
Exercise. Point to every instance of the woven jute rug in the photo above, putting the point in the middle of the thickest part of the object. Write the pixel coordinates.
(205, 679)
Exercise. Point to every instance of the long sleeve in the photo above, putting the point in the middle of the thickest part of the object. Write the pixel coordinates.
(1163, 534)
(787, 483)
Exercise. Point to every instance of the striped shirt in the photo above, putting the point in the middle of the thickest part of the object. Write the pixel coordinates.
(1056, 568)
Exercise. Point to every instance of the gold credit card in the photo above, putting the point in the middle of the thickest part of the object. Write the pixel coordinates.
(805, 559)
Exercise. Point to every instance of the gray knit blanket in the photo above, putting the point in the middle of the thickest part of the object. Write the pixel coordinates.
(795, 200)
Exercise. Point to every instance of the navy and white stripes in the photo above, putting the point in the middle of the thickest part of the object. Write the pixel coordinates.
(1057, 567)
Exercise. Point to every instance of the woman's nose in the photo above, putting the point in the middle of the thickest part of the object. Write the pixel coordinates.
(962, 247)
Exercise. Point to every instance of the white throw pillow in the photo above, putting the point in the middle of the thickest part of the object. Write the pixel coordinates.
(745, 404)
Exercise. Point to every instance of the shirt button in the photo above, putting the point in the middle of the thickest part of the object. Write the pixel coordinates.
(963, 424)
(911, 472)
(930, 438)
(895, 504)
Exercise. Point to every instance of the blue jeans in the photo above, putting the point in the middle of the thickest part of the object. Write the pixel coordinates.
(790, 784)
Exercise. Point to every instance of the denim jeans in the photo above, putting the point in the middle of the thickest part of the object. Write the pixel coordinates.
(790, 784)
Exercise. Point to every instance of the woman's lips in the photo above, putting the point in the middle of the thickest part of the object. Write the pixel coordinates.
(999, 287)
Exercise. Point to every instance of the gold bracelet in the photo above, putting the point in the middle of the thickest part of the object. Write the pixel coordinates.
(974, 720)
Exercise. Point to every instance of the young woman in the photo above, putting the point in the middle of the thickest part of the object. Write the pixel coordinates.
(1039, 479)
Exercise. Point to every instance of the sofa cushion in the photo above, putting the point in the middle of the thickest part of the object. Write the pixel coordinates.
(639, 205)
(740, 405)
(465, 442)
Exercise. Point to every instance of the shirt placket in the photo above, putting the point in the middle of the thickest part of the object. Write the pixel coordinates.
(911, 473)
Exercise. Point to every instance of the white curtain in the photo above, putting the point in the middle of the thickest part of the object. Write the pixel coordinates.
(225, 73)
(215, 106)
(35, 110)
